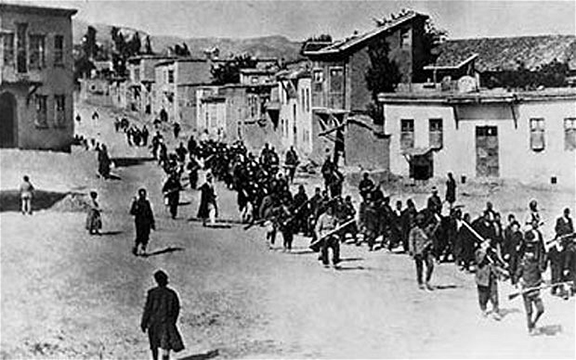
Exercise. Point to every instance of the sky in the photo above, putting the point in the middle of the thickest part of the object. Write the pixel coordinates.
(299, 20)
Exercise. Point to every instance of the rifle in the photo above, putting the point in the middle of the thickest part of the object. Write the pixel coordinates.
(261, 221)
(488, 255)
(330, 233)
(541, 287)
(560, 238)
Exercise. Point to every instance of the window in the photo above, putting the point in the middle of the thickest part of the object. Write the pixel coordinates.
(406, 133)
(41, 111)
(435, 137)
(318, 79)
(136, 75)
(8, 40)
(37, 53)
(405, 38)
(307, 100)
(60, 110)
(336, 79)
(58, 50)
(21, 48)
(570, 133)
(170, 76)
(537, 134)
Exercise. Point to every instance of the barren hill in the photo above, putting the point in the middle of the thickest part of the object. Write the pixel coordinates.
(267, 46)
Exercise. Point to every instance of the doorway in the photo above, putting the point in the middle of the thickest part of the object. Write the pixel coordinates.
(487, 151)
(8, 126)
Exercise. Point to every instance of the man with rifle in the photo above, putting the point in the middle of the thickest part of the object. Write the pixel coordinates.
(486, 280)
(529, 275)
(420, 240)
(326, 224)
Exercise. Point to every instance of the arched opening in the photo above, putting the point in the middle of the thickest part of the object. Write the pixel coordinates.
(8, 124)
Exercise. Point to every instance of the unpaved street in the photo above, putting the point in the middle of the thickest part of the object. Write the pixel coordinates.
(68, 295)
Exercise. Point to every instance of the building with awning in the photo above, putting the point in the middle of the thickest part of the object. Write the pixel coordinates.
(525, 135)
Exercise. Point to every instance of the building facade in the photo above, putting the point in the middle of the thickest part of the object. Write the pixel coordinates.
(36, 78)
(174, 89)
(530, 135)
(338, 82)
(141, 78)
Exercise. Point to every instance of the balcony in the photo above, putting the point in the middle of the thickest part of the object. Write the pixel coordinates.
(8, 75)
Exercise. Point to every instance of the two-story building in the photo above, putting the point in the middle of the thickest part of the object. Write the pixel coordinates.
(339, 87)
(141, 77)
(174, 89)
(295, 104)
(238, 112)
(36, 77)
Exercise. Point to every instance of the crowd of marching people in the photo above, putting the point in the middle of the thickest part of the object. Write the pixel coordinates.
(439, 232)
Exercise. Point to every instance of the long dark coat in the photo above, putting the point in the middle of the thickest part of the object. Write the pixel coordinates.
(207, 197)
(143, 219)
(159, 318)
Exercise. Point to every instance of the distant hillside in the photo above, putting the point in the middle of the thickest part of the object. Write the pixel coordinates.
(267, 46)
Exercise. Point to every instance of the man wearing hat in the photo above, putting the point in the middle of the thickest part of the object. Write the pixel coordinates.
(529, 275)
(486, 280)
(160, 316)
(434, 202)
(420, 244)
(326, 223)
(208, 208)
(143, 220)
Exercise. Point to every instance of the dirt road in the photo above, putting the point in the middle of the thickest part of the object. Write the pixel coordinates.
(68, 295)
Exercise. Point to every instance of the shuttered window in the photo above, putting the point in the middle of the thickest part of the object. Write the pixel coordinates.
(21, 48)
(435, 136)
(570, 133)
(406, 134)
(58, 50)
(336, 79)
(537, 134)
(318, 79)
(8, 40)
(41, 111)
(37, 52)
(59, 110)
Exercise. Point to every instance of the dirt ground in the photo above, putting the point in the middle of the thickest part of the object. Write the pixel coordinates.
(68, 295)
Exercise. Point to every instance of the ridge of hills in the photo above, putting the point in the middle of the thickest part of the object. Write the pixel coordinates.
(262, 47)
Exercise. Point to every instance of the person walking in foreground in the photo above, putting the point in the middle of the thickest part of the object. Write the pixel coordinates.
(160, 316)
(94, 218)
(529, 275)
(486, 281)
(326, 223)
(420, 243)
(26, 192)
(144, 221)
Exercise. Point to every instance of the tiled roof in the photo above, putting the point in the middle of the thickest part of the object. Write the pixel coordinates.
(496, 54)
(348, 43)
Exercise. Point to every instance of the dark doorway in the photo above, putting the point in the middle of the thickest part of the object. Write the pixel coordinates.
(422, 166)
(7, 120)
(487, 151)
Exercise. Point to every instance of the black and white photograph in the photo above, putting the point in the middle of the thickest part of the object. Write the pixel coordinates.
(287, 179)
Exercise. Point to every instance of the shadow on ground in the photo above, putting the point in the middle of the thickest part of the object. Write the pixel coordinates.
(167, 250)
(550, 330)
(10, 200)
(130, 161)
(204, 356)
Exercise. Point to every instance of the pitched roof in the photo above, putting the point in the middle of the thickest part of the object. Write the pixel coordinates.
(346, 44)
(496, 54)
